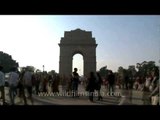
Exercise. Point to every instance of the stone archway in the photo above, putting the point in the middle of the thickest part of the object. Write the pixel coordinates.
(73, 42)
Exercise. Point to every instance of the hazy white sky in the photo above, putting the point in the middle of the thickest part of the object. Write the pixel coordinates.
(122, 40)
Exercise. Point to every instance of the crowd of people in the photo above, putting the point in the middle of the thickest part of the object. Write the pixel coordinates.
(25, 83)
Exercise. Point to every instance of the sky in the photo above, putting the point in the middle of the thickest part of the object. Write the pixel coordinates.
(122, 40)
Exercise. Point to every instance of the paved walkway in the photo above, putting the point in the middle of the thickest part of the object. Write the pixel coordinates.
(131, 97)
(82, 100)
(122, 97)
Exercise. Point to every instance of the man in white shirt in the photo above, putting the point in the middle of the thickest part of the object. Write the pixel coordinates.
(13, 82)
(27, 82)
(2, 84)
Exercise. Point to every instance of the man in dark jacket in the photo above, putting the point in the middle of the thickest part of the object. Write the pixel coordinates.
(111, 81)
(98, 85)
(91, 85)
(75, 81)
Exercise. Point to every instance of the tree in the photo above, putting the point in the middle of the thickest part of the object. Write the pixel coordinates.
(103, 71)
(121, 71)
(38, 70)
(132, 70)
(52, 73)
(146, 67)
(7, 62)
(31, 68)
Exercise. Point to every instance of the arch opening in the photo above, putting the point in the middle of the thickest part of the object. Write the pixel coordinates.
(78, 62)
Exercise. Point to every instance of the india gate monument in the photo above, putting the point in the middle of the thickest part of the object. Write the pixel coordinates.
(74, 42)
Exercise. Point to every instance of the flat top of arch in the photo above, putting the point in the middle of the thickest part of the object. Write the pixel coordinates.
(78, 37)
(78, 29)
(78, 32)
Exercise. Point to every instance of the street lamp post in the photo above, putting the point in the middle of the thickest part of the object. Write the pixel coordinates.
(43, 68)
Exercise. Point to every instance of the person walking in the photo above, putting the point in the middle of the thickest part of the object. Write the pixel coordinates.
(21, 87)
(13, 82)
(27, 82)
(111, 82)
(98, 84)
(91, 85)
(75, 82)
(2, 85)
